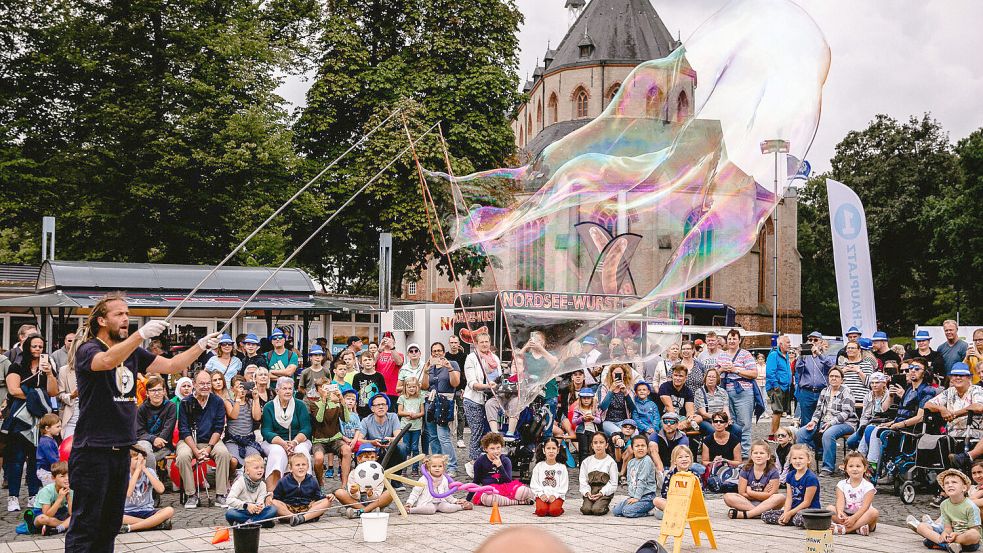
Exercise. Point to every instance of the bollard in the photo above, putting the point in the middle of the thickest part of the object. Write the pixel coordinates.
(819, 537)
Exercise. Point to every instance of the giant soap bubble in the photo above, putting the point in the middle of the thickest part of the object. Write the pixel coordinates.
(608, 227)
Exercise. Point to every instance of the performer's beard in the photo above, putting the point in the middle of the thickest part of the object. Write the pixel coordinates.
(119, 334)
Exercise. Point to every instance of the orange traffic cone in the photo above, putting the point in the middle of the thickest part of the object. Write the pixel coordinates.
(496, 516)
(221, 535)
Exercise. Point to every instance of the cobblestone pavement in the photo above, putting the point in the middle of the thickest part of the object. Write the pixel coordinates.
(893, 511)
(464, 531)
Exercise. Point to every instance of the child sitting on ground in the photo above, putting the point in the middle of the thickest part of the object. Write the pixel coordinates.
(681, 460)
(138, 509)
(47, 452)
(621, 443)
(370, 499)
(960, 529)
(422, 502)
(52, 510)
(802, 492)
(598, 478)
(495, 469)
(642, 485)
(299, 494)
(854, 511)
(550, 479)
(248, 500)
(757, 488)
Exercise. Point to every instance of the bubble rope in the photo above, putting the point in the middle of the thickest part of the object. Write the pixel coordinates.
(454, 486)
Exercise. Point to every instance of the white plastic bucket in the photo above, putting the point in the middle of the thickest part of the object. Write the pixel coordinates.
(375, 527)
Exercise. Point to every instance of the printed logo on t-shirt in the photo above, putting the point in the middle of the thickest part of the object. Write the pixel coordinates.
(550, 477)
(125, 384)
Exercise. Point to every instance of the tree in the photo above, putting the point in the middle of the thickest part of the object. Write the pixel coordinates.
(958, 239)
(455, 62)
(151, 127)
(897, 169)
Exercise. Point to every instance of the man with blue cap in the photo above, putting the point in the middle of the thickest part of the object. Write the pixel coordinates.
(955, 404)
(810, 374)
(954, 349)
(250, 350)
(924, 350)
(280, 360)
(882, 349)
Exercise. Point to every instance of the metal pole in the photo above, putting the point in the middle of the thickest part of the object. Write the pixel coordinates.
(774, 298)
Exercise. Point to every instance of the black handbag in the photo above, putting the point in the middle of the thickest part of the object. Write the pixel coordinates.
(441, 410)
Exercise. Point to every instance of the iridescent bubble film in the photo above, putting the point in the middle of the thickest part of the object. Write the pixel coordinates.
(612, 224)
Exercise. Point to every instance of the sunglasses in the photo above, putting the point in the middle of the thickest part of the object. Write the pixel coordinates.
(414, 350)
(719, 421)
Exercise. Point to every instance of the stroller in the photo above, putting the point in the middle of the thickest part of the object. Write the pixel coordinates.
(533, 422)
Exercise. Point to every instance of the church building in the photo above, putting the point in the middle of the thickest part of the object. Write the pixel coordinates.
(572, 85)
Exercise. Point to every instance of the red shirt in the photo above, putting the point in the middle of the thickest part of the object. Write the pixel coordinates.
(385, 364)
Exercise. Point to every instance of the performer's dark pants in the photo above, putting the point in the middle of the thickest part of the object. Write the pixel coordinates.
(99, 477)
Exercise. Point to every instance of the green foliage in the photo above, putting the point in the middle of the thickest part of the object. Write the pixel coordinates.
(439, 60)
(149, 128)
(903, 173)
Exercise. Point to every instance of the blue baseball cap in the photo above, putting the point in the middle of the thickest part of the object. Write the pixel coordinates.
(586, 392)
(225, 339)
(628, 422)
(853, 330)
(316, 350)
(880, 335)
(922, 335)
(250, 339)
(960, 369)
(347, 389)
(277, 334)
(865, 343)
(590, 340)
(366, 448)
(815, 334)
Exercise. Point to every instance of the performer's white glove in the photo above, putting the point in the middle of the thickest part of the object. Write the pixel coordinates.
(153, 329)
(209, 342)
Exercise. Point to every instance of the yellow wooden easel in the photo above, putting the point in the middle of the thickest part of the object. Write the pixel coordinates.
(685, 504)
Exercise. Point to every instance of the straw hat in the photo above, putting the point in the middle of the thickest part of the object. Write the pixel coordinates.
(954, 472)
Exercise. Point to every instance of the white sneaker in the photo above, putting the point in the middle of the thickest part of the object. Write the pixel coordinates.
(927, 520)
(13, 504)
(912, 522)
(460, 444)
(30, 502)
(469, 468)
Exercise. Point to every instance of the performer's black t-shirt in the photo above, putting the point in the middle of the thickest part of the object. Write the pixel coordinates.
(107, 399)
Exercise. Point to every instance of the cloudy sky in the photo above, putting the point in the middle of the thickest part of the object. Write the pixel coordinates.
(899, 57)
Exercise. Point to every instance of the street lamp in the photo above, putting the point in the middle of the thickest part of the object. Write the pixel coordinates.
(775, 146)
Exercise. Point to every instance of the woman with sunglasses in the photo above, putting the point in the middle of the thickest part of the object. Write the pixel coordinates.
(722, 446)
(441, 378)
(413, 367)
(224, 360)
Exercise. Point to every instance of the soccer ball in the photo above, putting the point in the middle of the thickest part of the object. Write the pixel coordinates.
(368, 475)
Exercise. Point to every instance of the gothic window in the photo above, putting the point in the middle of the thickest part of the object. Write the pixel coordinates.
(539, 112)
(522, 137)
(611, 92)
(763, 254)
(551, 108)
(682, 106)
(581, 103)
(532, 260)
(653, 102)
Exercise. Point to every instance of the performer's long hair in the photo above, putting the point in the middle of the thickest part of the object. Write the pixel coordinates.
(90, 327)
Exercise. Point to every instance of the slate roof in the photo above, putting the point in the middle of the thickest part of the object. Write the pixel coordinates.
(620, 30)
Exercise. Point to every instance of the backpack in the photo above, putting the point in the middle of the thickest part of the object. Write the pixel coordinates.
(723, 478)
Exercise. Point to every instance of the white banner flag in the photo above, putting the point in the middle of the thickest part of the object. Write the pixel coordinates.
(851, 255)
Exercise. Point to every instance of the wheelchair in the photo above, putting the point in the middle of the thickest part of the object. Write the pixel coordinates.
(921, 455)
